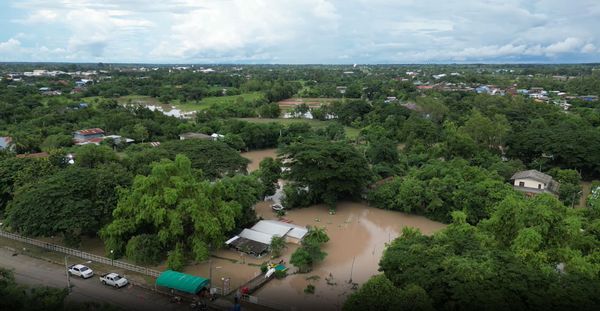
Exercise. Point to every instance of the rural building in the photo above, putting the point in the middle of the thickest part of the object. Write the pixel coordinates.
(533, 182)
(181, 282)
(191, 135)
(6, 143)
(257, 240)
(88, 134)
(118, 139)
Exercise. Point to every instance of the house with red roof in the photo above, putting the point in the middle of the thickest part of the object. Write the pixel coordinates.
(88, 136)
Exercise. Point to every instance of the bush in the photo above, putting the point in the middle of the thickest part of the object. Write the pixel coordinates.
(176, 259)
(277, 246)
(310, 289)
(144, 249)
(302, 260)
(280, 274)
(263, 268)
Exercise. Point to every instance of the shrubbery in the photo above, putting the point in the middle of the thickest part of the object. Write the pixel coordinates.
(144, 249)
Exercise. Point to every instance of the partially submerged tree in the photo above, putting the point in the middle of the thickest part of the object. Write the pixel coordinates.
(269, 174)
(331, 170)
(277, 245)
(310, 252)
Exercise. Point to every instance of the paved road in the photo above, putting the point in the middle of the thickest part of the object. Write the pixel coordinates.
(35, 272)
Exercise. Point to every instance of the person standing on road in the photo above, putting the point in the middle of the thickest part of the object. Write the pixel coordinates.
(236, 305)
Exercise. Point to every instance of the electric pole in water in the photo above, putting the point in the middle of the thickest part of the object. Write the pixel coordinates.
(351, 269)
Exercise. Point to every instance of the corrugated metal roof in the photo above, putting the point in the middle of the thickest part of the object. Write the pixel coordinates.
(256, 236)
(532, 174)
(90, 131)
(296, 231)
(182, 282)
(191, 135)
(271, 228)
(231, 240)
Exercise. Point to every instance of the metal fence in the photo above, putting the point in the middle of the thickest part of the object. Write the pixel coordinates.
(80, 254)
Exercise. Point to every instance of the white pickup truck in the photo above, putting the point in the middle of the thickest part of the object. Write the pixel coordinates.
(113, 279)
(81, 271)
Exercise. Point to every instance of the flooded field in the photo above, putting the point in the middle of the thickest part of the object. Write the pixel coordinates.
(358, 235)
(258, 155)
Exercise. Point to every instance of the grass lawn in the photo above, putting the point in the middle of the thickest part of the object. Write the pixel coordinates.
(351, 132)
(184, 106)
(215, 100)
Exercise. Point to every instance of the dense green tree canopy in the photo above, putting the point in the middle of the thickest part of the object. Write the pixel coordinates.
(509, 262)
(440, 187)
(71, 202)
(330, 170)
(180, 209)
(214, 158)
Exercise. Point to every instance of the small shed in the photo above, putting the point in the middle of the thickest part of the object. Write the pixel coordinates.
(182, 282)
(191, 135)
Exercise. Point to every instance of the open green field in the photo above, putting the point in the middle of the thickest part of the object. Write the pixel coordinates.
(184, 106)
(351, 132)
(216, 100)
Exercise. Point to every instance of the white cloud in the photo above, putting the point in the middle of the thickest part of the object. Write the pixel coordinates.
(9, 46)
(566, 46)
(39, 17)
(589, 48)
(307, 31)
(227, 26)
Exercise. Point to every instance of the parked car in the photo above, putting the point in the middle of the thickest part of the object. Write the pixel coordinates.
(81, 271)
(113, 279)
(277, 207)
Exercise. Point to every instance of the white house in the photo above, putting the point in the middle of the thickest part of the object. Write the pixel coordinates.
(533, 181)
(6, 143)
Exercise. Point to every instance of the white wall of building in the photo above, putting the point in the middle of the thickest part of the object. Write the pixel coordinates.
(529, 183)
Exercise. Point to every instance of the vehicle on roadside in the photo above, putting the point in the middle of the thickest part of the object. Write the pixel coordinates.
(81, 271)
(277, 207)
(113, 279)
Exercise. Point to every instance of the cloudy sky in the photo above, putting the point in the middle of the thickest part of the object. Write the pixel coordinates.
(300, 31)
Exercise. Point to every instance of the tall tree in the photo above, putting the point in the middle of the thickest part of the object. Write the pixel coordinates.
(330, 170)
(173, 204)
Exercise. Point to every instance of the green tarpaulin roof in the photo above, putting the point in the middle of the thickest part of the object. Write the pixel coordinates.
(182, 282)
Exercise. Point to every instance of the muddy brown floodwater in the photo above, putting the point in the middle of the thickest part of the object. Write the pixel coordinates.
(258, 155)
(358, 233)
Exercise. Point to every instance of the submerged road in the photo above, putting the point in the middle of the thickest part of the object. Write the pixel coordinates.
(34, 272)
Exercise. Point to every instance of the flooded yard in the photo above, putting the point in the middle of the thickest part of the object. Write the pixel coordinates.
(256, 156)
(358, 235)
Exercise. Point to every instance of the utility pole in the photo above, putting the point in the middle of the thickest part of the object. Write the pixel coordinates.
(210, 271)
(351, 270)
(573, 198)
(68, 275)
